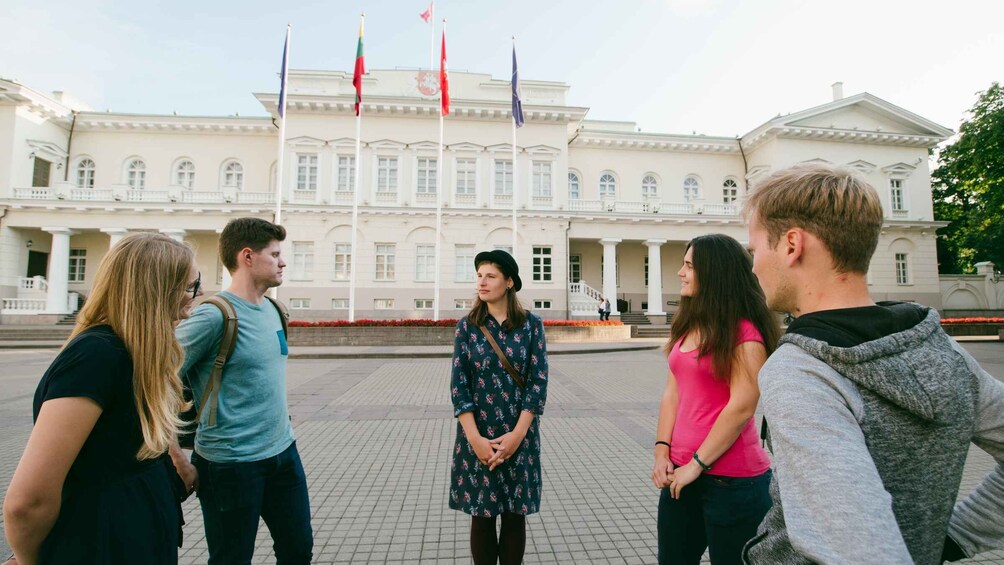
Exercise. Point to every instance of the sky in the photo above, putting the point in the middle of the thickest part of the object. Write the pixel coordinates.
(716, 67)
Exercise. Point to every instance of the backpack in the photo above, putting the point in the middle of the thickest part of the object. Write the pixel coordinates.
(210, 395)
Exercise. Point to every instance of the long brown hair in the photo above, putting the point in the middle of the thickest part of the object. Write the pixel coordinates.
(137, 291)
(727, 292)
(515, 313)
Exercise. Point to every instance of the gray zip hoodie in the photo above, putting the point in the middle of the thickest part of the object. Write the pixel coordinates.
(869, 443)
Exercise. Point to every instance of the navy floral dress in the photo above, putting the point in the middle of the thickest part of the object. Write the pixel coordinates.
(480, 384)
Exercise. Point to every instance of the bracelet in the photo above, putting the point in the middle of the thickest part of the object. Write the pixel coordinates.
(666, 443)
(701, 463)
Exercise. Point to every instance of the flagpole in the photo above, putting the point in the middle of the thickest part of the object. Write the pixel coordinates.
(355, 201)
(439, 192)
(282, 129)
(282, 137)
(515, 192)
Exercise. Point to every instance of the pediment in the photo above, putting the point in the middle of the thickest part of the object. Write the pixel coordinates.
(465, 146)
(305, 141)
(543, 150)
(386, 144)
(424, 146)
(864, 112)
(342, 142)
(500, 147)
(862, 166)
(901, 170)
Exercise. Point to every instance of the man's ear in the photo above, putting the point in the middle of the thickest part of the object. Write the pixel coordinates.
(245, 255)
(793, 241)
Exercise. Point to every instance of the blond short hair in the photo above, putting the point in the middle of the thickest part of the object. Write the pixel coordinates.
(831, 203)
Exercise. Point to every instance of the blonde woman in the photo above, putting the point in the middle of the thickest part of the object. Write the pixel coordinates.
(94, 484)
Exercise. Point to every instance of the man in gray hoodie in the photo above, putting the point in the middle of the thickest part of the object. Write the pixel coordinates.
(871, 407)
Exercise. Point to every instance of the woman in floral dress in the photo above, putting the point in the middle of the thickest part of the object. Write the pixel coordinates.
(496, 457)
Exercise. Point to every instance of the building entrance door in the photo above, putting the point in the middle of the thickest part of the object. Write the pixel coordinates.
(38, 264)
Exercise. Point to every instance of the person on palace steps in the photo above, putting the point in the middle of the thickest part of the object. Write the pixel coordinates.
(248, 465)
(870, 407)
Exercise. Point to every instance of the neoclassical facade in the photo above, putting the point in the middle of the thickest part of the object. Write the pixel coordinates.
(602, 208)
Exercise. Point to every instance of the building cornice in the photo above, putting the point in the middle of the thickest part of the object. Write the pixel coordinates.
(14, 94)
(150, 123)
(655, 142)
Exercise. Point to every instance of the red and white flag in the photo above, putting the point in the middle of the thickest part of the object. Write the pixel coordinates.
(444, 79)
(427, 14)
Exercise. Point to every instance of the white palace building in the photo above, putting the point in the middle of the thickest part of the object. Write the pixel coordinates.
(603, 208)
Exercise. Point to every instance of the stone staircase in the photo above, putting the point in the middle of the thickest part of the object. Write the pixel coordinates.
(661, 331)
(34, 333)
(635, 319)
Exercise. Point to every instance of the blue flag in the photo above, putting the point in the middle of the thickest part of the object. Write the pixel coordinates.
(517, 103)
(282, 77)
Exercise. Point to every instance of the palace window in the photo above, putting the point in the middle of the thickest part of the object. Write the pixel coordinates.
(387, 174)
(233, 175)
(608, 185)
(303, 260)
(503, 178)
(425, 263)
(464, 265)
(78, 265)
(730, 191)
(385, 262)
(343, 261)
(85, 173)
(467, 170)
(427, 170)
(306, 171)
(649, 187)
(573, 187)
(136, 174)
(541, 179)
(184, 174)
(542, 264)
(346, 174)
(691, 188)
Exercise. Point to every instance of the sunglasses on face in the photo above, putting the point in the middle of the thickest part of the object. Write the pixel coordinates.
(195, 286)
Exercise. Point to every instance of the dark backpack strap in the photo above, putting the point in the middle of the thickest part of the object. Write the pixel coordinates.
(283, 315)
(505, 361)
(228, 342)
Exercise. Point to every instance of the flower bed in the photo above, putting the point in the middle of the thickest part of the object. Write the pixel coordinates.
(451, 322)
(973, 326)
(429, 332)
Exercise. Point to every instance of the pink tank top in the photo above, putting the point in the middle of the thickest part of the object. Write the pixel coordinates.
(701, 397)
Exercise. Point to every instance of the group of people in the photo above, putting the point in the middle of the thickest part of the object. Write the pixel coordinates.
(869, 408)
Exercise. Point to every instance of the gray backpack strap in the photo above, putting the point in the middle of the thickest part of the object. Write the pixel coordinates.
(228, 342)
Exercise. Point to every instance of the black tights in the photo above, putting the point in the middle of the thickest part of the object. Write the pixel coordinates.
(507, 549)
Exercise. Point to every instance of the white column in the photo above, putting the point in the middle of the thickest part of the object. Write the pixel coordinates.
(115, 235)
(610, 272)
(227, 280)
(59, 271)
(655, 277)
(175, 234)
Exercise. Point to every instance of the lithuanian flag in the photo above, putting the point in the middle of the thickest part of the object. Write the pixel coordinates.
(360, 70)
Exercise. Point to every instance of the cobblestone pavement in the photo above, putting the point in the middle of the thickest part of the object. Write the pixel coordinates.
(375, 436)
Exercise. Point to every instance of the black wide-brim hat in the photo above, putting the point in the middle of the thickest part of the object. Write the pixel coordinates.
(505, 263)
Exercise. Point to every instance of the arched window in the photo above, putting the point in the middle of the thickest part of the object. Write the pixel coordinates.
(573, 186)
(136, 174)
(85, 173)
(184, 174)
(649, 187)
(730, 191)
(233, 175)
(608, 185)
(691, 188)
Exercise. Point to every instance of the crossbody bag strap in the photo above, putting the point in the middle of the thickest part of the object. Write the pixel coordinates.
(505, 361)
(211, 394)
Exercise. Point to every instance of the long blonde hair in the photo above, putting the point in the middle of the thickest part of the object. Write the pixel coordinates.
(137, 291)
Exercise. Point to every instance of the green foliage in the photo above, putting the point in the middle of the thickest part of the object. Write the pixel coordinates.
(968, 189)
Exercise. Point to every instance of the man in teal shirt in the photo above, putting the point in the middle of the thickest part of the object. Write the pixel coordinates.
(248, 465)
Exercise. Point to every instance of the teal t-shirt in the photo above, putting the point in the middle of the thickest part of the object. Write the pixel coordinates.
(252, 415)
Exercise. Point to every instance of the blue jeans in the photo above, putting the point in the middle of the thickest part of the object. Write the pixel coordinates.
(716, 513)
(234, 495)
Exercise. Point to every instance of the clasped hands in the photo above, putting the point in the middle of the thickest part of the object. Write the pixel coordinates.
(667, 475)
(494, 452)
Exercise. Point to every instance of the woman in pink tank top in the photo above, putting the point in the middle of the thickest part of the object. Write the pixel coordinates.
(710, 467)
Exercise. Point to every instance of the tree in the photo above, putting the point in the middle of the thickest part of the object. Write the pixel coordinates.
(968, 188)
